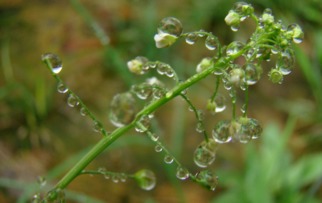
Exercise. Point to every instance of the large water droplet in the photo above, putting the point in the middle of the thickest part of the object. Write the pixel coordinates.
(285, 62)
(208, 178)
(252, 73)
(182, 173)
(61, 88)
(250, 129)
(122, 109)
(211, 42)
(191, 38)
(205, 153)
(72, 101)
(146, 179)
(220, 101)
(54, 60)
(221, 132)
(170, 25)
(233, 48)
(142, 91)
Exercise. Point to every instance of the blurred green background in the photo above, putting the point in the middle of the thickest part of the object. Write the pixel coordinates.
(41, 136)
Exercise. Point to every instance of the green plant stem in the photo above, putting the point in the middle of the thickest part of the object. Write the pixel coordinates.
(108, 140)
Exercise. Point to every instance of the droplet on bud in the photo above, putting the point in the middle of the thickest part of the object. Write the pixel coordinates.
(170, 25)
(276, 76)
(138, 65)
(296, 33)
(54, 61)
(205, 153)
(285, 62)
(122, 109)
(146, 179)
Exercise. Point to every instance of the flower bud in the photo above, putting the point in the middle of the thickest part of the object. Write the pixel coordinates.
(164, 40)
(276, 76)
(136, 65)
(205, 63)
(233, 18)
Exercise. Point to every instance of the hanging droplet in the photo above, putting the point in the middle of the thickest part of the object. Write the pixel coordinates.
(191, 38)
(252, 73)
(162, 68)
(123, 177)
(208, 178)
(205, 153)
(211, 42)
(170, 25)
(250, 129)
(56, 195)
(54, 61)
(285, 62)
(146, 179)
(201, 33)
(200, 128)
(221, 132)
(101, 170)
(296, 33)
(158, 148)
(235, 28)
(115, 178)
(72, 101)
(122, 109)
(97, 127)
(61, 88)
(138, 65)
(169, 72)
(182, 173)
(233, 48)
(220, 101)
(243, 108)
(168, 159)
(107, 176)
(83, 111)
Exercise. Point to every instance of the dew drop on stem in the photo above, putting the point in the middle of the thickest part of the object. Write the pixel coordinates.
(72, 101)
(55, 62)
(205, 153)
(168, 159)
(61, 88)
(170, 25)
(182, 173)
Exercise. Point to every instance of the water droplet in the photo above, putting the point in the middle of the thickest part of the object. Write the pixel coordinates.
(115, 178)
(191, 38)
(163, 68)
(252, 73)
(61, 88)
(200, 128)
(72, 101)
(285, 61)
(249, 129)
(235, 28)
(168, 159)
(142, 91)
(146, 179)
(221, 132)
(56, 195)
(107, 176)
(211, 42)
(243, 108)
(276, 76)
(205, 153)
(122, 109)
(54, 60)
(182, 173)
(97, 127)
(208, 178)
(42, 181)
(233, 48)
(158, 148)
(220, 101)
(83, 111)
(170, 25)
(123, 177)
(267, 17)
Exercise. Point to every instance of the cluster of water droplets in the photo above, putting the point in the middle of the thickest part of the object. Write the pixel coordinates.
(114, 177)
(207, 178)
(243, 130)
(211, 41)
